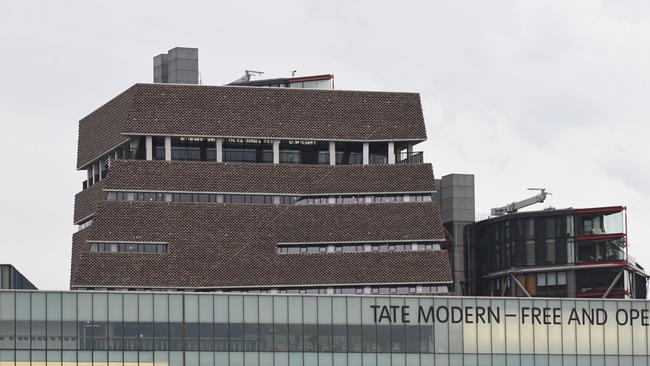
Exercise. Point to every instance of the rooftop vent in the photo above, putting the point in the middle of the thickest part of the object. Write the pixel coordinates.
(180, 65)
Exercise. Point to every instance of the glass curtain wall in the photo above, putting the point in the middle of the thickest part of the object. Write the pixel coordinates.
(43, 328)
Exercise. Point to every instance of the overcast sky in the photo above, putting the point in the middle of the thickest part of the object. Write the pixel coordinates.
(522, 94)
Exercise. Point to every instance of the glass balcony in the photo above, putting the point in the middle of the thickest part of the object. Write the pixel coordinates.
(601, 223)
(405, 157)
(589, 251)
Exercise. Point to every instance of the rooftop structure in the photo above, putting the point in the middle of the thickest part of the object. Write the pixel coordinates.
(325, 81)
(11, 279)
(230, 188)
(180, 65)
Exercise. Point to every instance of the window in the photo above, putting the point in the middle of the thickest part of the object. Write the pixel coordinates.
(157, 248)
(551, 284)
(356, 248)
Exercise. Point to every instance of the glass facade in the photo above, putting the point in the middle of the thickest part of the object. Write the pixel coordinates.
(128, 328)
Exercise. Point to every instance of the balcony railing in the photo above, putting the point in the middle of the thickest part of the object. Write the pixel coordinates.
(405, 157)
(351, 158)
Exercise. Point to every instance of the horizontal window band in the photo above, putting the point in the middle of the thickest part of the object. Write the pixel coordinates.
(381, 247)
(115, 247)
(143, 196)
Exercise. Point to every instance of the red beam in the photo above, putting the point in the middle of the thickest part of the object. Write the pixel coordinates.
(602, 236)
(600, 210)
(601, 293)
(311, 78)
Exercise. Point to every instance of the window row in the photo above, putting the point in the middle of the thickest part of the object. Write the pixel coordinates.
(352, 248)
(127, 247)
(263, 199)
(220, 337)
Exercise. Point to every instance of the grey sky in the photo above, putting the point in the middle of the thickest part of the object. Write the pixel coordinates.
(520, 93)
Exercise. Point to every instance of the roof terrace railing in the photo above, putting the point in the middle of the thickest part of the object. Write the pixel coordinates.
(413, 157)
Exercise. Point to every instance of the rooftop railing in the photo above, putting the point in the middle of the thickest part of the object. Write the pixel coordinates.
(414, 157)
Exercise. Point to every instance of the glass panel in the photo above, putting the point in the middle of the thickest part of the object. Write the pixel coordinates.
(455, 326)
(100, 319)
(540, 325)
(221, 341)
(624, 331)
(555, 330)
(266, 323)
(7, 320)
(280, 324)
(325, 324)
(597, 339)
(175, 328)
(206, 323)
(250, 325)
(69, 325)
(469, 325)
(22, 320)
(512, 327)
(54, 340)
(383, 318)
(398, 328)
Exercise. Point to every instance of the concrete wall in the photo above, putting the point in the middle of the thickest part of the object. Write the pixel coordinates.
(455, 194)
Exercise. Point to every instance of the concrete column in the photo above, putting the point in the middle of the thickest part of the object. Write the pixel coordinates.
(391, 153)
(366, 153)
(168, 148)
(149, 147)
(89, 171)
(409, 149)
(276, 151)
(219, 150)
(332, 153)
(93, 171)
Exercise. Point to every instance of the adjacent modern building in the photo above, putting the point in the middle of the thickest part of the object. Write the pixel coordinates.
(231, 188)
(11, 279)
(325, 81)
(554, 253)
